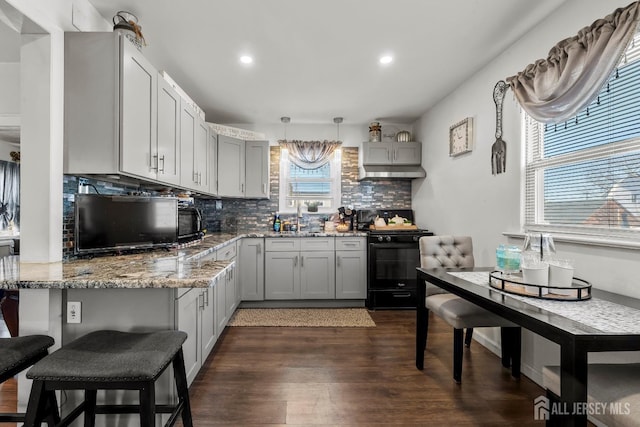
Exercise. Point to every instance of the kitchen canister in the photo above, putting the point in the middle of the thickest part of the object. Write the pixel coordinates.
(375, 132)
(403, 136)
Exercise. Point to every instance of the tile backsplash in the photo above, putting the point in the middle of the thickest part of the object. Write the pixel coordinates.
(241, 215)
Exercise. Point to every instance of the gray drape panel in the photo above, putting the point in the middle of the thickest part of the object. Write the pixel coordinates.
(310, 154)
(9, 194)
(557, 88)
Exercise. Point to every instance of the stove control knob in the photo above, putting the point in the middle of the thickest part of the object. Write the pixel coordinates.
(416, 238)
(387, 238)
(380, 238)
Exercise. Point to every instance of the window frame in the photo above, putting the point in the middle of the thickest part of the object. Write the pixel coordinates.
(336, 184)
(533, 188)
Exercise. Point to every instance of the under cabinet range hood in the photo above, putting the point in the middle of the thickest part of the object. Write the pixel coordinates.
(390, 172)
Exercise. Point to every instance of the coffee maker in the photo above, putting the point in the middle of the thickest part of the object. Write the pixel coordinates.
(347, 216)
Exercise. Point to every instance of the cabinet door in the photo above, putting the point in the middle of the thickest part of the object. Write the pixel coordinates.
(221, 304)
(251, 269)
(257, 169)
(351, 275)
(317, 275)
(188, 122)
(167, 159)
(407, 153)
(188, 314)
(230, 166)
(231, 293)
(208, 322)
(376, 153)
(282, 275)
(200, 144)
(213, 162)
(137, 112)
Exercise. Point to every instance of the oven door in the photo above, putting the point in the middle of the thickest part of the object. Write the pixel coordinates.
(392, 266)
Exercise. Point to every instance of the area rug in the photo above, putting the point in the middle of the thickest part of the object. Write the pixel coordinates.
(303, 317)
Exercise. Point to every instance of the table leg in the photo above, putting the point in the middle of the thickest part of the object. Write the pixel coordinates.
(573, 383)
(421, 324)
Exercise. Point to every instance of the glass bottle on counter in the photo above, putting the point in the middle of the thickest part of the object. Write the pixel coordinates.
(277, 224)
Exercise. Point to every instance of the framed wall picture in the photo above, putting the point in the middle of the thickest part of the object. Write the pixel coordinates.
(461, 137)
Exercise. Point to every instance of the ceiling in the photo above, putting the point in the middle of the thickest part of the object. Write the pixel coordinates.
(317, 60)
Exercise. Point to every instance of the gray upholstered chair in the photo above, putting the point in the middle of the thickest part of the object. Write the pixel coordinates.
(457, 252)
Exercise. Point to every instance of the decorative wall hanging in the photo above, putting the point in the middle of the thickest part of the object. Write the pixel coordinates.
(499, 148)
(461, 137)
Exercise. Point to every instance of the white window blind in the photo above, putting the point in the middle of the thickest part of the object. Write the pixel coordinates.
(583, 176)
(310, 188)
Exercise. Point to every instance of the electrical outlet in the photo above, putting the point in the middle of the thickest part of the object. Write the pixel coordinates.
(74, 311)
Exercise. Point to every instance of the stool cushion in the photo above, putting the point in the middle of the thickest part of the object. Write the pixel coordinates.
(461, 313)
(607, 383)
(107, 356)
(17, 350)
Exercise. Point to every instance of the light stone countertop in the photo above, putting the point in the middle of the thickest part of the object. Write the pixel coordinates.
(187, 267)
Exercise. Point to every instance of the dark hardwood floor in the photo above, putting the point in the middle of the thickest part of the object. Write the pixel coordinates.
(355, 376)
(350, 376)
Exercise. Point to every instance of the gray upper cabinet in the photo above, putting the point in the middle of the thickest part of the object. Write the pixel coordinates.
(194, 135)
(110, 107)
(257, 169)
(167, 160)
(388, 153)
(243, 168)
(138, 114)
(213, 162)
(231, 164)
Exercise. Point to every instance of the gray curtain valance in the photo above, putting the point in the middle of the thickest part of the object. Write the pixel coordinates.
(555, 89)
(310, 154)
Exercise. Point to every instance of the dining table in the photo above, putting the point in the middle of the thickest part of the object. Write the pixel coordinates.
(604, 322)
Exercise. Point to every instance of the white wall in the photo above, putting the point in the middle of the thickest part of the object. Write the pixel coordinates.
(350, 135)
(461, 196)
(9, 88)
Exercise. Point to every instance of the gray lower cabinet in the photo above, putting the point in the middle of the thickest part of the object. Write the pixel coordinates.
(195, 316)
(251, 271)
(351, 268)
(299, 268)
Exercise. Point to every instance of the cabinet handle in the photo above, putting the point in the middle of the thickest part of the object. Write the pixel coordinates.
(395, 154)
(259, 249)
(295, 261)
(162, 160)
(154, 168)
(201, 301)
(301, 260)
(206, 298)
(338, 261)
(242, 187)
(195, 177)
(264, 189)
(388, 155)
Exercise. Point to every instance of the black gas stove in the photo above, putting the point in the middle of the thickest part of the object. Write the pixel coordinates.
(393, 255)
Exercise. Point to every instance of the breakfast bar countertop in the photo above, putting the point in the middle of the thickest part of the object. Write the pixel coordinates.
(186, 267)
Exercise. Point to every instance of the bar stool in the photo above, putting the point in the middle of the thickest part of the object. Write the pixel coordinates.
(112, 360)
(16, 355)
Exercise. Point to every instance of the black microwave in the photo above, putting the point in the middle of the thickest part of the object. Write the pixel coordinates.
(189, 224)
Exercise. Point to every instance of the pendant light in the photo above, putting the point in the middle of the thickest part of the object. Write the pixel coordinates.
(285, 120)
(337, 121)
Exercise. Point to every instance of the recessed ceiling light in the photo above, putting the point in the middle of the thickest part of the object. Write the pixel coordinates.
(246, 59)
(386, 59)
